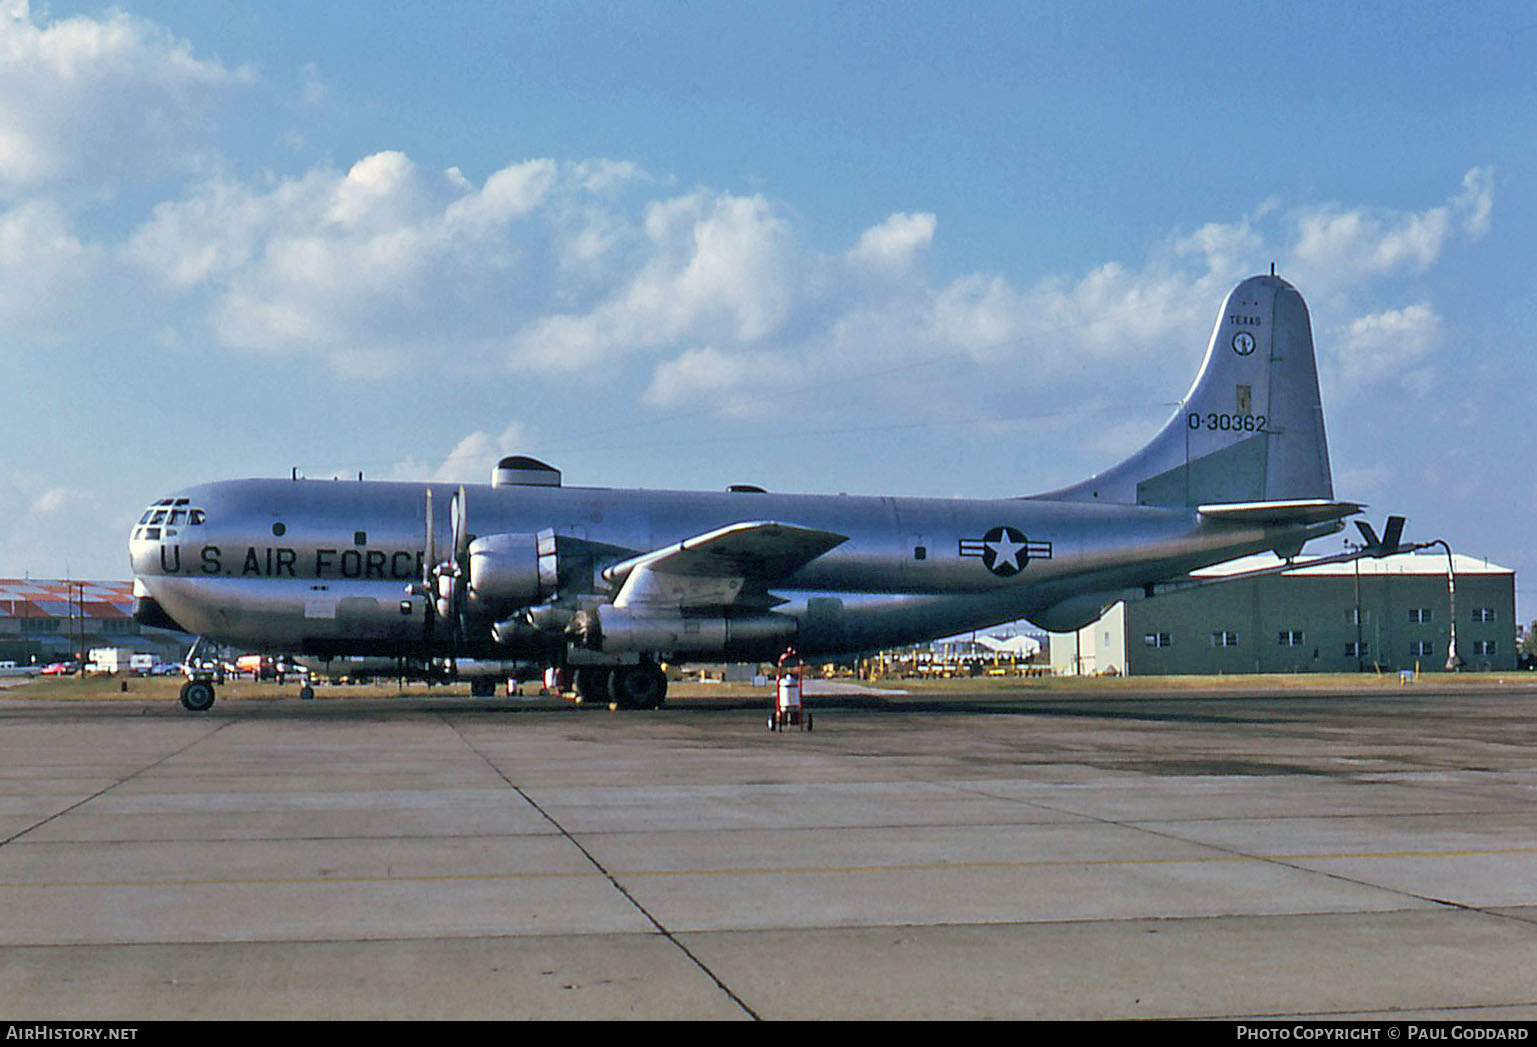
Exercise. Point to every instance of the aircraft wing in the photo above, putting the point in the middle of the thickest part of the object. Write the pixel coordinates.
(719, 567)
(1302, 511)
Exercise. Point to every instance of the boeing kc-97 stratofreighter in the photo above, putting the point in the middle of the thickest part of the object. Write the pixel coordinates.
(616, 583)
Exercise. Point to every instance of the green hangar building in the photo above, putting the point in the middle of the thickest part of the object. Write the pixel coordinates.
(1368, 615)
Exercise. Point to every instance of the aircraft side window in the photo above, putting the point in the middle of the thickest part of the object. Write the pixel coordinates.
(195, 517)
(178, 516)
(159, 517)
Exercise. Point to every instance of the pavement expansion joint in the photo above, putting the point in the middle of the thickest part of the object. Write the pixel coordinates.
(611, 878)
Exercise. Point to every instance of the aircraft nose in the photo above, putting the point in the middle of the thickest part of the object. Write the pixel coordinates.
(155, 542)
(145, 555)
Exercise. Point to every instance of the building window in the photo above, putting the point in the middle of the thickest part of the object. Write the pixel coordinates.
(1356, 650)
(1483, 614)
(1158, 640)
(1357, 616)
(1423, 648)
(1222, 638)
(1422, 615)
(1483, 647)
(1291, 638)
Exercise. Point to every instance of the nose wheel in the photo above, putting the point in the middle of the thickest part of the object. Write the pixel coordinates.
(197, 695)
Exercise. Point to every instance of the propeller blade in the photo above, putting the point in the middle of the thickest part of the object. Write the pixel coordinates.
(461, 529)
(429, 557)
(425, 586)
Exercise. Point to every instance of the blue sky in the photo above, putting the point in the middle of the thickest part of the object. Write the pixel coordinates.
(939, 249)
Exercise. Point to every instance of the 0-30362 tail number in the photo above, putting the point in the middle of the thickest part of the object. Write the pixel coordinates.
(1228, 423)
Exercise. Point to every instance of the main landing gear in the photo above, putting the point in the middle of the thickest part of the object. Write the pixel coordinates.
(641, 686)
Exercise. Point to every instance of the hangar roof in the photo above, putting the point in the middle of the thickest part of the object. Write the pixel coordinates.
(1404, 563)
(56, 598)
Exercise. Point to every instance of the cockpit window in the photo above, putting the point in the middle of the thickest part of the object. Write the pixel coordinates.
(162, 519)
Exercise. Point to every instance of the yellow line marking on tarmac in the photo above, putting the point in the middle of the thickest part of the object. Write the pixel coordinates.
(802, 870)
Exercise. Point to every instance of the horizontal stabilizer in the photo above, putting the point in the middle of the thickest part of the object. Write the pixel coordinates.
(717, 567)
(1278, 514)
(1389, 543)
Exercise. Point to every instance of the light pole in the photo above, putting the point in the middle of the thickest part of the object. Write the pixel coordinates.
(1453, 659)
(1360, 658)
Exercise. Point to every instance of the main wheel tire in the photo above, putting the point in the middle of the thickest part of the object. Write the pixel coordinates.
(197, 695)
(642, 686)
(482, 688)
(592, 685)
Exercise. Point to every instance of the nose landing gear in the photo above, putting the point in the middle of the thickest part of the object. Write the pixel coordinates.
(197, 695)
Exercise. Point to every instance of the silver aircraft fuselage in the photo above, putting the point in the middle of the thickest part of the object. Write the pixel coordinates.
(325, 566)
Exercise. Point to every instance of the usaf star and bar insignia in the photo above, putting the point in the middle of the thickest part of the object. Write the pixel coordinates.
(1005, 551)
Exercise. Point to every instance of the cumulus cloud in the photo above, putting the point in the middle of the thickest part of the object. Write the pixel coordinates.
(1340, 247)
(595, 273)
(370, 268)
(896, 242)
(1390, 345)
(599, 273)
(39, 517)
(471, 460)
(98, 102)
(706, 375)
(45, 271)
(707, 266)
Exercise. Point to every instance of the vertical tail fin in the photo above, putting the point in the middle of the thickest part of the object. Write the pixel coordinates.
(1251, 428)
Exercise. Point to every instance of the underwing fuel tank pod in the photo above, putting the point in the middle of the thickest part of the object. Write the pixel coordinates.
(613, 583)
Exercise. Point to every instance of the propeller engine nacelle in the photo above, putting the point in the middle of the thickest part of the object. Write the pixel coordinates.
(512, 571)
